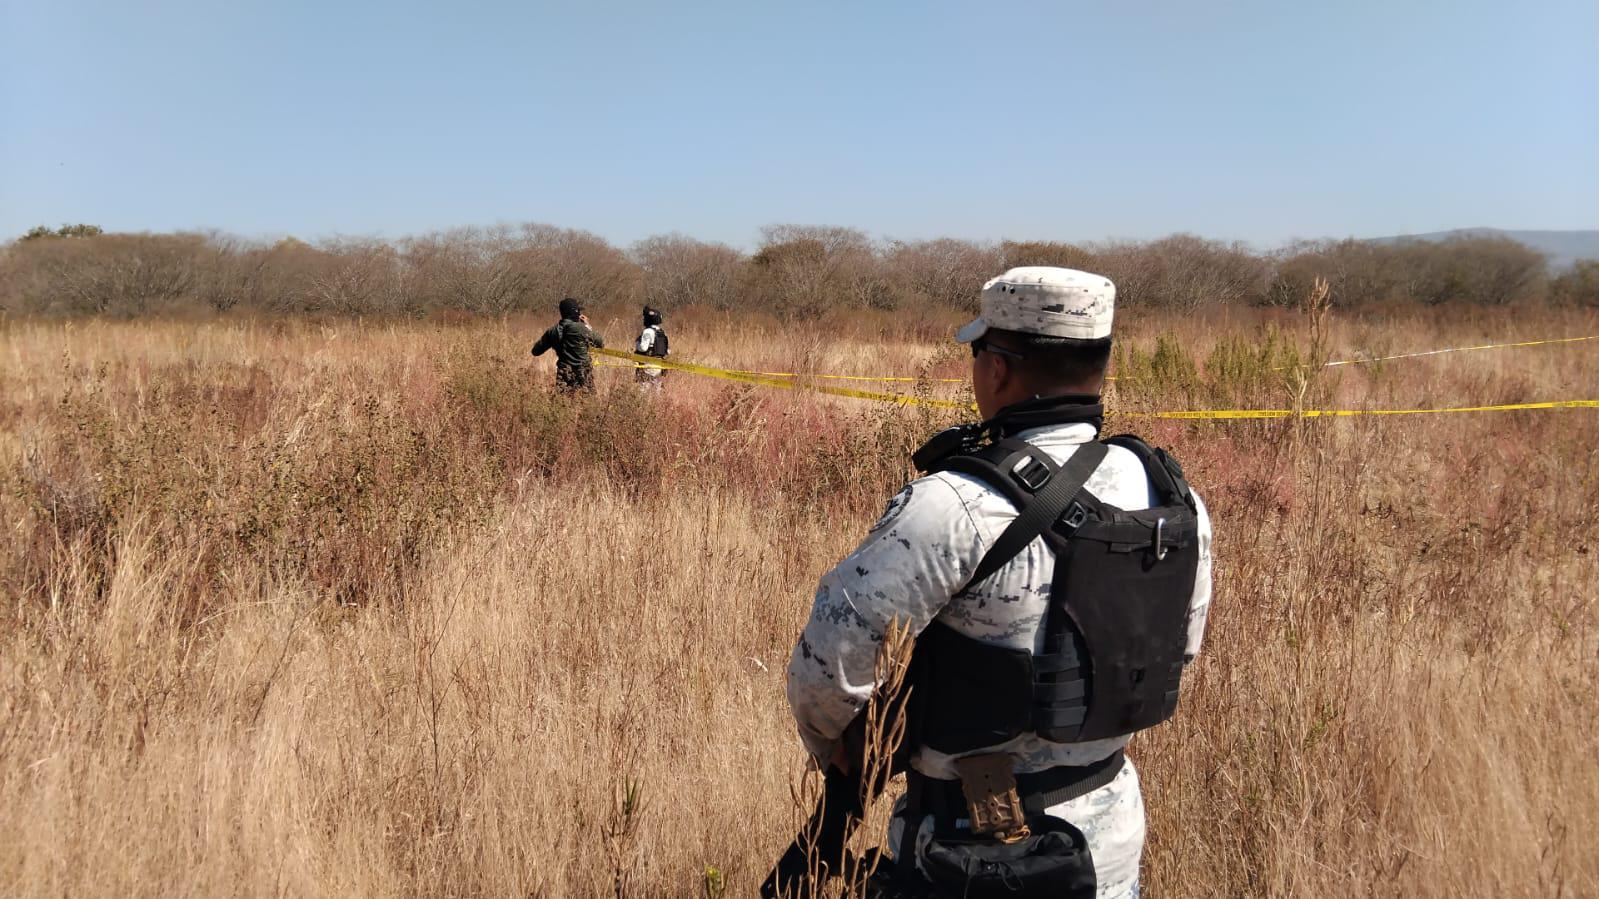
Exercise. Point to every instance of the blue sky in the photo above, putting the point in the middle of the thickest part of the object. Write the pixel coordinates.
(1257, 121)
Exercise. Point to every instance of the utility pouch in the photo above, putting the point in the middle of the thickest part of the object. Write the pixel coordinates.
(1052, 862)
(992, 804)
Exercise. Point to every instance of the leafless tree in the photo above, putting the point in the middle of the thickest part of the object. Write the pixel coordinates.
(681, 271)
(108, 274)
(355, 276)
(1035, 252)
(799, 270)
(1183, 272)
(568, 262)
(1481, 271)
(943, 273)
(1578, 286)
(468, 268)
(804, 270)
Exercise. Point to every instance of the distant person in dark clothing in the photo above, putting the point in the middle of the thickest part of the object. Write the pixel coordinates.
(651, 342)
(571, 338)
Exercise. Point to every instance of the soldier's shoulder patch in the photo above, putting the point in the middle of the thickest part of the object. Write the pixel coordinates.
(896, 505)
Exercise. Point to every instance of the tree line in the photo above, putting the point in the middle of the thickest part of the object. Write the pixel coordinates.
(797, 271)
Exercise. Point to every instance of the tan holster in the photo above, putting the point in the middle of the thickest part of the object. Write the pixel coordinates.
(995, 808)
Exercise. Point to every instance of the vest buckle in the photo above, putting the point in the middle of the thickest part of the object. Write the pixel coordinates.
(1033, 474)
(1160, 528)
(1074, 517)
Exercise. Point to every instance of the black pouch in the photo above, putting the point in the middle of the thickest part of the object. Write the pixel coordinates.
(1054, 862)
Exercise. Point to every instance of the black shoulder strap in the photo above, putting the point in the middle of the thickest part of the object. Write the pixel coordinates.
(1161, 468)
(1046, 505)
(1014, 467)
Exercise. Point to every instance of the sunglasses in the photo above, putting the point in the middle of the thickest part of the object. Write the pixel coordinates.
(979, 345)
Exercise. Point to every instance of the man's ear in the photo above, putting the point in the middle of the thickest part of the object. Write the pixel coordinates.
(1004, 373)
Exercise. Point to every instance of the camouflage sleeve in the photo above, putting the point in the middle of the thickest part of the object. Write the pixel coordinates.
(549, 339)
(920, 553)
(1199, 605)
(595, 338)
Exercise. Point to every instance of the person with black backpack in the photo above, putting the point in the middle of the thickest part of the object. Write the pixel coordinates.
(1057, 584)
(651, 342)
(571, 338)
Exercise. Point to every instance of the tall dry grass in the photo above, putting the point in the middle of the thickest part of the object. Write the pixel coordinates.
(324, 608)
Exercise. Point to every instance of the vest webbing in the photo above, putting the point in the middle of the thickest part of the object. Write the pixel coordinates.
(1043, 508)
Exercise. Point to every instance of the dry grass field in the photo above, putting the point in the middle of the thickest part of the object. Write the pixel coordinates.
(363, 609)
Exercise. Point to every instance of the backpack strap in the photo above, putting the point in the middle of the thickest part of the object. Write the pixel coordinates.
(1047, 503)
(1163, 471)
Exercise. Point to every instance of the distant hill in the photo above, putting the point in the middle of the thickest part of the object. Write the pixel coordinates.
(1563, 248)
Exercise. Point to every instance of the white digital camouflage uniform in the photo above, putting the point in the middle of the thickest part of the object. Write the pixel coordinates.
(914, 566)
(646, 342)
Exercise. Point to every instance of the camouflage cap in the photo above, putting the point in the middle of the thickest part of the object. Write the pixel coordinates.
(1042, 299)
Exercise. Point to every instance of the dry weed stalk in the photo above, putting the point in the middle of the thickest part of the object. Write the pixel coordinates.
(370, 612)
(886, 720)
(1307, 372)
(873, 747)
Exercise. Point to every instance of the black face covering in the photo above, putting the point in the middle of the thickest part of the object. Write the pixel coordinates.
(571, 309)
(1015, 418)
(1069, 408)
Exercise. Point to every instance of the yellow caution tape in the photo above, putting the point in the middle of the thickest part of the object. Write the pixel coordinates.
(782, 383)
(1349, 413)
(1462, 349)
(1338, 362)
(900, 399)
(790, 374)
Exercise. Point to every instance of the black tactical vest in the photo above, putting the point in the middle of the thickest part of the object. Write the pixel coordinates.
(659, 345)
(1116, 627)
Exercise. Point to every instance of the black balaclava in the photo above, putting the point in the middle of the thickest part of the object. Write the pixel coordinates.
(651, 316)
(571, 309)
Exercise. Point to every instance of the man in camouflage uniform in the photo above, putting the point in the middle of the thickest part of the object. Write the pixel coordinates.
(1044, 332)
(652, 341)
(571, 338)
